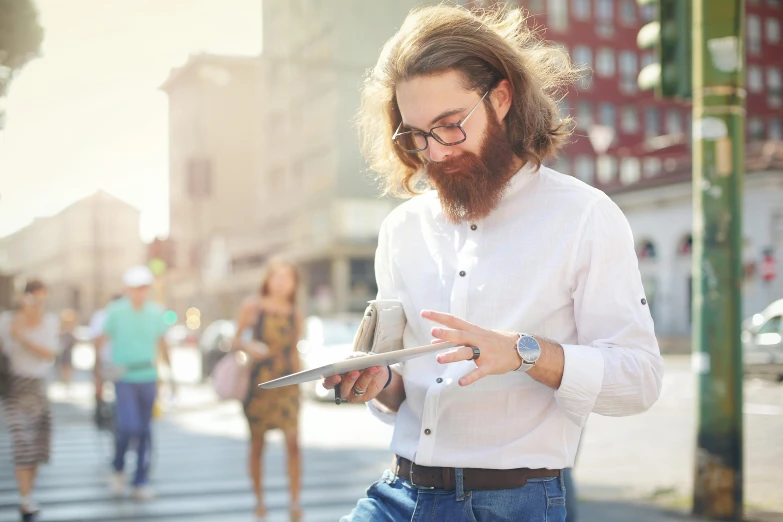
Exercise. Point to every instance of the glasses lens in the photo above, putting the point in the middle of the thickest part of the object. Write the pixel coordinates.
(449, 134)
(412, 141)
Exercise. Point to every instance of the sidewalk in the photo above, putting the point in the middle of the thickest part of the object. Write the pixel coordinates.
(196, 407)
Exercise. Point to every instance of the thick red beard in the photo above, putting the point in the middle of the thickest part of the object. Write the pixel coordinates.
(471, 186)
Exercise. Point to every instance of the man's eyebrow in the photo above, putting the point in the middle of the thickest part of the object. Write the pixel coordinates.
(442, 115)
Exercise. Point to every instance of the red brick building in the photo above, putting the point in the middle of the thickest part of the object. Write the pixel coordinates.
(651, 143)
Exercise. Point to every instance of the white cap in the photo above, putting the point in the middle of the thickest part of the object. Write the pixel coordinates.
(138, 276)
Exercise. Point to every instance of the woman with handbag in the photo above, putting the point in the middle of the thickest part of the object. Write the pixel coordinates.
(29, 337)
(272, 353)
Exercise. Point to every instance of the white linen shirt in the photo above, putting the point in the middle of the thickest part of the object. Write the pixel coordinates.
(555, 259)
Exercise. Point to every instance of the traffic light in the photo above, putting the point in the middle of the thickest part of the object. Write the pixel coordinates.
(670, 35)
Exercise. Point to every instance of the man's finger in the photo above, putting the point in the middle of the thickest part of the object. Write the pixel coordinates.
(363, 383)
(464, 353)
(331, 382)
(457, 336)
(473, 376)
(450, 321)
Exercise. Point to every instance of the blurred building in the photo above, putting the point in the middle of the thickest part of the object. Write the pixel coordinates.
(215, 151)
(80, 253)
(321, 206)
(264, 160)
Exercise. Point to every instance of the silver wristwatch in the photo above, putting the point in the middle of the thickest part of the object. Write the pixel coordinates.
(529, 351)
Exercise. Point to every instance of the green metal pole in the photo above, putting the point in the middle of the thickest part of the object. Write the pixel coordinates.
(718, 167)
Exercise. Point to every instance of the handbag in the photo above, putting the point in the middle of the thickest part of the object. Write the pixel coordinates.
(381, 328)
(231, 376)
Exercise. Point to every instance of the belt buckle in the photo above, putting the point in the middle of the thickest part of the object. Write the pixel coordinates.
(413, 483)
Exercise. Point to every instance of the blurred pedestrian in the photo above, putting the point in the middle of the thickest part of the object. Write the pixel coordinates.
(135, 327)
(29, 337)
(531, 273)
(276, 326)
(68, 320)
(104, 413)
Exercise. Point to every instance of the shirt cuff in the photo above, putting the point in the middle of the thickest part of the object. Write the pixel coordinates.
(384, 416)
(583, 376)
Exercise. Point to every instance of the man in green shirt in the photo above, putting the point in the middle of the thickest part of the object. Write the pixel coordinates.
(136, 329)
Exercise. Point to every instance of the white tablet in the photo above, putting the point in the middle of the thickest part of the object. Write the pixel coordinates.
(356, 363)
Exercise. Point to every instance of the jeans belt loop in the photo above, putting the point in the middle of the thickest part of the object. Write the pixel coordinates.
(413, 483)
(460, 484)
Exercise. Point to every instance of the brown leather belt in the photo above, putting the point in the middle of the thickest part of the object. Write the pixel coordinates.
(472, 478)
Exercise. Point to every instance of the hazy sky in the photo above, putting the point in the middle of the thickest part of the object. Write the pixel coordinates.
(88, 114)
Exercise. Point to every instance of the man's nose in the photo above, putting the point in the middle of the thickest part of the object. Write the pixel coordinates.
(437, 151)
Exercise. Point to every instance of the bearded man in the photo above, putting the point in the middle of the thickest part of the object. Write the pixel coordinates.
(530, 271)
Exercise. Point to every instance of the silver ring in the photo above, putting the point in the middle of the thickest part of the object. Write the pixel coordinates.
(476, 353)
(359, 393)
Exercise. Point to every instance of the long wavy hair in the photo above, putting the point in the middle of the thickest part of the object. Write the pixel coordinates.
(485, 47)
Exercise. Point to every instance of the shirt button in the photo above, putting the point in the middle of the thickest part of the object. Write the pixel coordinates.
(462, 273)
(427, 431)
(439, 380)
(644, 301)
(473, 227)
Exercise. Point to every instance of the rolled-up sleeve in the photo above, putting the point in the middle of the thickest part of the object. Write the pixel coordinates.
(616, 368)
(385, 282)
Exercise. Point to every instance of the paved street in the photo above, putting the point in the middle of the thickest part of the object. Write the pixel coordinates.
(637, 468)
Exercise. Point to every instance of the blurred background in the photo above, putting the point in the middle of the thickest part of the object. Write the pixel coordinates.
(204, 137)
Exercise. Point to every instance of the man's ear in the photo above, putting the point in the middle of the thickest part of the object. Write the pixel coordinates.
(501, 97)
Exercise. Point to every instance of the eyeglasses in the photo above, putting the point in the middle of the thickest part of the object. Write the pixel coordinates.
(450, 134)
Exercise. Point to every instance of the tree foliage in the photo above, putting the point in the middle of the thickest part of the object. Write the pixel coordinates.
(20, 40)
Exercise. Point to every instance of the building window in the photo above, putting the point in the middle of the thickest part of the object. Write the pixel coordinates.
(652, 122)
(756, 129)
(604, 14)
(754, 34)
(773, 30)
(557, 15)
(755, 78)
(628, 72)
(584, 168)
(582, 9)
(584, 114)
(673, 122)
(606, 167)
(583, 56)
(775, 130)
(604, 62)
(649, 12)
(608, 115)
(628, 12)
(629, 120)
(652, 167)
(630, 171)
(647, 59)
(774, 82)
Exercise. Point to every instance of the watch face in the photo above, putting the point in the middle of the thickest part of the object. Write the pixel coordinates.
(529, 349)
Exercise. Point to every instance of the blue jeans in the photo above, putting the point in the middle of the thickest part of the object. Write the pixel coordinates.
(132, 417)
(394, 499)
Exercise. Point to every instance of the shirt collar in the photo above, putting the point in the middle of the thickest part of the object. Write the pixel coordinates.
(520, 179)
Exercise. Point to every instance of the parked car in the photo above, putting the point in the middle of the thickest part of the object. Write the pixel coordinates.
(325, 340)
(762, 342)
(215, 342)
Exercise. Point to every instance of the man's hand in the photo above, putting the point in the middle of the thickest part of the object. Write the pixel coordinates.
(372, 380)
(498, 353)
